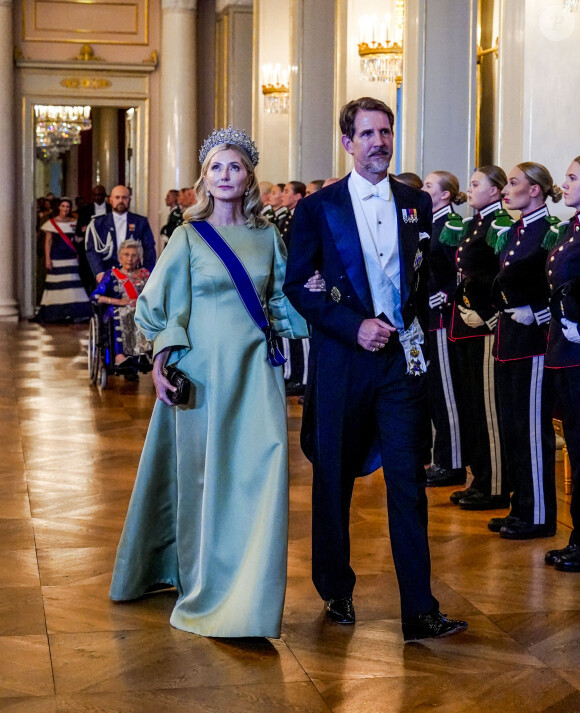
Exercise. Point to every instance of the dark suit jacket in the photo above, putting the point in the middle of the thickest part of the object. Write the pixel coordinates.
(137, 228)
(325, 237)
(85, 216)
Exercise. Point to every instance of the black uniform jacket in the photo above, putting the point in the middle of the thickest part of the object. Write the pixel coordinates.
(477, 265)
(325, 238)
(563, 272)
(522, 281)
(443, 273)
(86, 214)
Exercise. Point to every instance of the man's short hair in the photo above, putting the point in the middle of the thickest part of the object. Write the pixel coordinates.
(349, 111)
(298, 187)
(173, 192)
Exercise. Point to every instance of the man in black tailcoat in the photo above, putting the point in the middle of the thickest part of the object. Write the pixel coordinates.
(366, 399)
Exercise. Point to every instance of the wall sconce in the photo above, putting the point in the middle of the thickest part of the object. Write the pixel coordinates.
(571, 5)
(276, 89)
(381, 58)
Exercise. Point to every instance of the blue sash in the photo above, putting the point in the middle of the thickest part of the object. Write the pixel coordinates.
(243, 284)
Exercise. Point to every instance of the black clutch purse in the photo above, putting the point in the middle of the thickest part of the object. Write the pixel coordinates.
(177, 378)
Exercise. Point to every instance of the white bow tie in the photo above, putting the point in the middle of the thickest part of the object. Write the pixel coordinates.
(381, 190)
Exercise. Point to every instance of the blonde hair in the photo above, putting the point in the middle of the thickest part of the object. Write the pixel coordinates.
(495, 175)
(251, 201)
(449, 182)
(538, 175)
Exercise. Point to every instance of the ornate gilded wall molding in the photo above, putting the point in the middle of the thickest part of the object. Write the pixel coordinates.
(85, 83)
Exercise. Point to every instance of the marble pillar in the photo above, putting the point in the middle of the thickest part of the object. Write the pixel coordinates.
(312, 115)
(439, 87)
(234, 63)
(8, 306)
(178, 133)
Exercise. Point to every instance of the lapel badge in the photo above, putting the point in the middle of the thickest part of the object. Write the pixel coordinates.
(409, 215)
(418, 259)
(335, 294)
(466, 302)
(131, 227)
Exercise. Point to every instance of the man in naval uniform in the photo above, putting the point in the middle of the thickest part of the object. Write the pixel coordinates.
(366, 398)
(106, 233)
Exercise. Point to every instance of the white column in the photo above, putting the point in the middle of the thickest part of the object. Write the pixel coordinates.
(178, 131)
(8, 307)
(439, 87)
(233, 62)
(312, 116)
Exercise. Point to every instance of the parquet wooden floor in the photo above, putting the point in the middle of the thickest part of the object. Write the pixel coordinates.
(68, 456)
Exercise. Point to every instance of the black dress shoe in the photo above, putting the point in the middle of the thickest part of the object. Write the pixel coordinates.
(458, 495)
(570, 562)
(496, 523)
(518, 529)
(293, 388)
(431, 626)
(438, 477)
(479, 501)
(340, 611)
(553, 555)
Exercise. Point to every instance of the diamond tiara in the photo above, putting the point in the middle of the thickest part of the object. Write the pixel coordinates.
(237, 137)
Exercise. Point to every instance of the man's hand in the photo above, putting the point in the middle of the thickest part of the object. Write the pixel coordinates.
(373, 334)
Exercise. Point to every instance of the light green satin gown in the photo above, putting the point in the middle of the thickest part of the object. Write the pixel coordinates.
(209, 510)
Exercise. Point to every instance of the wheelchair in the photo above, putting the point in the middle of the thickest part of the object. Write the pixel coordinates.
(101, 352)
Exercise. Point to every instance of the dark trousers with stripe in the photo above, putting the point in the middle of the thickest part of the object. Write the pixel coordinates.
(295, 352)
(483, 446)
(443, 403)
(567, 389)
(525, 399)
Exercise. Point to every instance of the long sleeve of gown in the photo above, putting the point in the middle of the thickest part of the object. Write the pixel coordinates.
(286, 321)
(164, 307)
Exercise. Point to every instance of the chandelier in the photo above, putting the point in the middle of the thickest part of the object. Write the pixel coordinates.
(571, 5)
(58, 129)
(276, 89)
(381, 47)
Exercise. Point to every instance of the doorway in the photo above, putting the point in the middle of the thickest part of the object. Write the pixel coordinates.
(134, 161)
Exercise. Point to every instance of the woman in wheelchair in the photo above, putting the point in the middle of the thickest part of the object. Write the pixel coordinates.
(117, 293)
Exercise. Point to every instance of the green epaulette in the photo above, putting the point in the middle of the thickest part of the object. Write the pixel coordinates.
(556, 232)
(498, 231)
(453, 230)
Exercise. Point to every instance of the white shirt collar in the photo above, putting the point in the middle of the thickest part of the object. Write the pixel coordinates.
(441, 212)
(534, 215)
(365, 189)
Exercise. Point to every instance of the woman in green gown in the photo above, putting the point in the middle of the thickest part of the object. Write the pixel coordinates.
(209, 510)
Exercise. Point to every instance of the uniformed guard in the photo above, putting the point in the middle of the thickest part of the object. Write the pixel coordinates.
(563, 354)
(525, 393)
(447, 466)
(472, 323)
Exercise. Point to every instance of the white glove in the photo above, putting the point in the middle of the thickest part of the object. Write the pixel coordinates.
(570, 330)
(522, 315)
(470, 317)
(438, 299)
